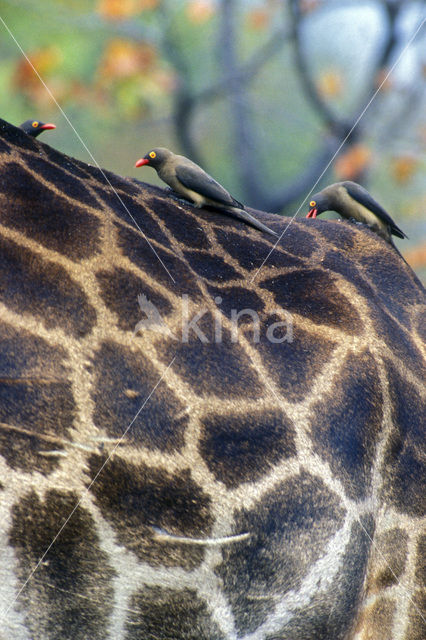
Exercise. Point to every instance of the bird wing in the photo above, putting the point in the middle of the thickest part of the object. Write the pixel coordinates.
(362, 196)
(199, 181)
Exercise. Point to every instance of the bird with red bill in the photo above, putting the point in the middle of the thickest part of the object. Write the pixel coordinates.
(354, 203)
(33, 128)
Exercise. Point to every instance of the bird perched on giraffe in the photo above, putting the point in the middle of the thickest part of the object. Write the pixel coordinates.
(33, 128)
(191, 181)
(353, 202)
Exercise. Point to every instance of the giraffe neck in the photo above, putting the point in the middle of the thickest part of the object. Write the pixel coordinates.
(167, 472)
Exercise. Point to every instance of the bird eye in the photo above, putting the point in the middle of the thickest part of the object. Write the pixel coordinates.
(35, 123)
(312, 203)
(152, 154)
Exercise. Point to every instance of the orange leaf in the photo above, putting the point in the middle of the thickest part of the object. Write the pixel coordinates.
(44, 60)
(25, 79)
(350, 164)
(330, 84)
(122, 59)
(258, 19)
(200, 11)
(404, 167)
(121, 9)
(416, 257)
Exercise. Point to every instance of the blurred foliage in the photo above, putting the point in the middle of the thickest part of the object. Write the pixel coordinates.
(116, 68)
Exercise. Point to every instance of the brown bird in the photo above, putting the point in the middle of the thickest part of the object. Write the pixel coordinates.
(188, 179)
(33, 128)
(353, 202)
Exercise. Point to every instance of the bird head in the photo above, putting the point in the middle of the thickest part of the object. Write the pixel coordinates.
(35, 127)
(154, 158)
(318, 205)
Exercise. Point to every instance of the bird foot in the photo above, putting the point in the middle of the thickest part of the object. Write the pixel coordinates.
(355, 221)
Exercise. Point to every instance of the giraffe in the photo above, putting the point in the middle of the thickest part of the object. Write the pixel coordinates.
(161, 486)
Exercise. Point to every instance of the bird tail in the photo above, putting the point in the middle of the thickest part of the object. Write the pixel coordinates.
(237, 205)
(246, 217)
(398, 251)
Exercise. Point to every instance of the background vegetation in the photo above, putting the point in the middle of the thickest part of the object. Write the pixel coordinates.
(261, 93)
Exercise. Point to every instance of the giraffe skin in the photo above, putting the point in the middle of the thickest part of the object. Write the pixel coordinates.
(263, 491)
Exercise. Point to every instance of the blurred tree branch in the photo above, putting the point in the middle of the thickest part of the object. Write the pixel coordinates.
(337, 125)
(244, 137)
(246, 145)
(233, 86)
(236, 77)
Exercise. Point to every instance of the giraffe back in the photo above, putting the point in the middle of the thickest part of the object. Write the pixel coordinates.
(192, 448)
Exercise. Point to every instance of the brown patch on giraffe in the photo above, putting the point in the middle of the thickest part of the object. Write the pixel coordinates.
(61, 181)
(388, 560)
(398, 339)
(417, 626)
(127, 185)
(150, 228)
(346, 423)
(211, 267)
(120, 290)
(251, 260)
(71, 165)
(243, 447)
(170, 614)
(337, 262)
(124, 205)
(297, 240)
(136, 500)
(27, 356)
(70, 595)
(117, 369)
(338, 234)
(131, 210)
(5, 148)
(384, 307)
(57, 222)
(397, 287)
(421, 560)
(282, 546)
(420, 324)
(376, 622)
(181, 225)
(44, 290)
(236, 299)
(404, 469)
(332, 612)
(313, 294)
(221, 369)
(133, 245)
(36, 401)
(416, 616)
(293, 365)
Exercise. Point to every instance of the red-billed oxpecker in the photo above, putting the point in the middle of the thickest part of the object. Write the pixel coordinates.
(191, 181)
(34, 127)
(353, 202)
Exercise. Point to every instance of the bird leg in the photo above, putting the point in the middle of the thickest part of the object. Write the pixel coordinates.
(173, 194)
(355, 221)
